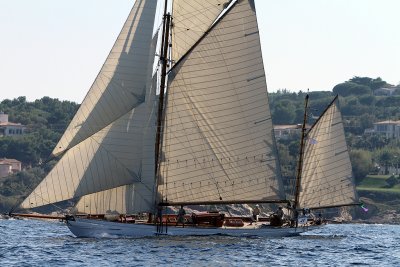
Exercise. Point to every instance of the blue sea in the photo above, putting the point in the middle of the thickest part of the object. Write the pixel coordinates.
(49, 243)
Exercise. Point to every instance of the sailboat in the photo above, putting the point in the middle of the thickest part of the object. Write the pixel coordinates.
(179, 116)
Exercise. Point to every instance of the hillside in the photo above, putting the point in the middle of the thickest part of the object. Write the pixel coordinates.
(361, 106)
(46, 119)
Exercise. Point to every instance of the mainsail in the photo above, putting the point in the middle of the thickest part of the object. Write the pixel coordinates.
(103, 145)
(218, 135)
(326, 178)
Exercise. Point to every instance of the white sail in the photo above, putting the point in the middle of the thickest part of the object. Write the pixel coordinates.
(191, 19)
(326, 178)
(118, 154)
(139, 196)
(120, 86)
(109, 158)
(218, 136)
(118, 199)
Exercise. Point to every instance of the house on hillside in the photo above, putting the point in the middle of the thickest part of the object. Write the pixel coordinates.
(286, 131)
(9, 166)
(9, 128)
(385, 91)
(389, 129)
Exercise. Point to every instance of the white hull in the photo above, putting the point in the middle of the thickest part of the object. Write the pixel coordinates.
(99, 228)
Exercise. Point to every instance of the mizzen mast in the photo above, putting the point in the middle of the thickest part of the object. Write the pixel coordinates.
(301, 155)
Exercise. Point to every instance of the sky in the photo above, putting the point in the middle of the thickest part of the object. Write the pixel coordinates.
(56, 48)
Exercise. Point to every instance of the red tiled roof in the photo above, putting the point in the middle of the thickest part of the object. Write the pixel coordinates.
(8, 161)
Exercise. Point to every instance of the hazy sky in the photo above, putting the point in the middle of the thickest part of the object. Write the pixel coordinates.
(56, 48)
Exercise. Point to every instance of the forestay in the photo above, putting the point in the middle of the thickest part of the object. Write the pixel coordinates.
(218, 135)
(326, 178)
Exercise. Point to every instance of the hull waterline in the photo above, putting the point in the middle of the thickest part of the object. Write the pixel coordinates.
(99, 228)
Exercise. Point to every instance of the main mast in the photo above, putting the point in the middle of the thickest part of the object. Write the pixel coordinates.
(164, 61)
(300, 163)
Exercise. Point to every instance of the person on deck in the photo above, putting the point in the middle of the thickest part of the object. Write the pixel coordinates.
(181, 216)
(279, 213)
(256, 213)
(318, 220)
(277, 217)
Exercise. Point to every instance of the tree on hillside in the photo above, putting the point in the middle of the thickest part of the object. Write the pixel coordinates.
(361, 80)
(367, 121)
(371, 83)
(284, 113)
(385, 158)
(351, 88)
(367, 100)
(361, 162)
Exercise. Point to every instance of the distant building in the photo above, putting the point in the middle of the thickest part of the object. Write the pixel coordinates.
(9, 128)
(387, 91)
(9, 166)
(285, 131)
(389, 129)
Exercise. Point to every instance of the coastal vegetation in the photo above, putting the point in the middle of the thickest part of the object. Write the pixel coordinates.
(360, 103)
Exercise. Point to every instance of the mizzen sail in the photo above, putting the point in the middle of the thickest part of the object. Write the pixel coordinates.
(218, 136)
(326, 178)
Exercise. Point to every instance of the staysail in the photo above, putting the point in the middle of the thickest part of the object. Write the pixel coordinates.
(326, 178)
(118, 199)
(120, 86)
(139, 196)
(103, 146)
(218, 136)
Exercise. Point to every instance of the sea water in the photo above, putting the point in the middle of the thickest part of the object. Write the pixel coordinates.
(49, 243)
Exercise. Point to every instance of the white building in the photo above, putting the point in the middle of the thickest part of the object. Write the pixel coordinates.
(9, 128)
(9, 166)
(385, 91)
(389, 129)
(285, 131)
